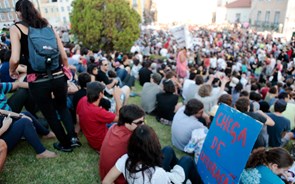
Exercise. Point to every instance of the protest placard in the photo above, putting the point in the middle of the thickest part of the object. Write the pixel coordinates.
(227, 146)
(182, 36)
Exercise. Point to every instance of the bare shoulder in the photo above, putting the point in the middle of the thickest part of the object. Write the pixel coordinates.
(23, 28)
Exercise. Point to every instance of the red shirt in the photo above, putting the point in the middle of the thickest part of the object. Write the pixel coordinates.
(93, 120)
(113, 147)
(264, 91)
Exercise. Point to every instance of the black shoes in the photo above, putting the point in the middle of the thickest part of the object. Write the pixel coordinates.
(75, 142)
(59, 147)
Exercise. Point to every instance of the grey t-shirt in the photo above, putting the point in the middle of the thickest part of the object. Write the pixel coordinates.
(182, 127)
(148, 96)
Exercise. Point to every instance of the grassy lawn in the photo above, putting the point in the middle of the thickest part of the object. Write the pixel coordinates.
(80, 166)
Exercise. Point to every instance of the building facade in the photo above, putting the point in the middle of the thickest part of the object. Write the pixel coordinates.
(238, 11)
(7, 13)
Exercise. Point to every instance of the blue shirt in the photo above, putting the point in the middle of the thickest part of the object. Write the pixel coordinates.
(259, 175)
(282, 124)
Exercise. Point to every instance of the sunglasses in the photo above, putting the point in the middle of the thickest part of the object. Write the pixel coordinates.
(138, 122)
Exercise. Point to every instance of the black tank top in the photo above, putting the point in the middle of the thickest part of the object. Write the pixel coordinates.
(24, 51)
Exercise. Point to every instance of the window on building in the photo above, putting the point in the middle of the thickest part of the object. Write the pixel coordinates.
(2, 17)
(1, 5)
(56, 9)
(258, 16)
(64, 19)
(45, 10)
(52, 10)
(54, 1)
(238, 17)
(267, 15)
(6, 4)
(62, 9)
(68, 8)
(10, 16)
(277, 17)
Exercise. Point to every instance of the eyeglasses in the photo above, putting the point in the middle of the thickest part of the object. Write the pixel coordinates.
(139, 122)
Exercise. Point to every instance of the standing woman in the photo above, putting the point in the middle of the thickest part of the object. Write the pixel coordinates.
(40, 85)
(181, 64)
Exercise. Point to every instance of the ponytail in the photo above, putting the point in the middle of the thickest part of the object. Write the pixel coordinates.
(278, 156)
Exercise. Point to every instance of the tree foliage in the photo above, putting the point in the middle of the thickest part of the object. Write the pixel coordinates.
(106, 24)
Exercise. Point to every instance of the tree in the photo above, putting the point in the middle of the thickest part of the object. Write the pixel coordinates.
(106, 24)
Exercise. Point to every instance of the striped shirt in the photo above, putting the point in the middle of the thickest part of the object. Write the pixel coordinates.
(4, 88)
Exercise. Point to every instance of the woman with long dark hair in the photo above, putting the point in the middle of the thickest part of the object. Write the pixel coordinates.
(145, 162)
(41, 85)
(266, 166)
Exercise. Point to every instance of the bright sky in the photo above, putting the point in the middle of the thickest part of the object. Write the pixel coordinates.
(194, 11)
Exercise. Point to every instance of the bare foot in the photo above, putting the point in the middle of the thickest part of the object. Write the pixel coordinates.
(47, 154)
(50, 135)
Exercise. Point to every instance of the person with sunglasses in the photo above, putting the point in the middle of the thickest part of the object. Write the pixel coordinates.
(117, 137)
(146, 162)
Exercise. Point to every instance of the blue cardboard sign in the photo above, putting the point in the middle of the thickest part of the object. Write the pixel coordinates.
(227, 146)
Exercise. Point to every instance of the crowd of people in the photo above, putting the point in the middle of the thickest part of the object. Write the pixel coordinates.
(181, 88)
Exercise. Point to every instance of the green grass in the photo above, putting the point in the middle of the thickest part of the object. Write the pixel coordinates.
(79, 167)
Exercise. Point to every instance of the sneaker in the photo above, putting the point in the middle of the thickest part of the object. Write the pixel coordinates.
(59, 147)
(165, 122)
(75, 142)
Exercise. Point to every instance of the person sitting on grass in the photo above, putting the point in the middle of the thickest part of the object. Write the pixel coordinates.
(186, 120)
(14, 126)
(167, 103)
(92, 118)
(145, 162)
(116, 140)
(266, 166)
(149, 92)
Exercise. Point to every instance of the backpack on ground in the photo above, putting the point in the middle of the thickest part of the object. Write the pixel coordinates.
(43, 50)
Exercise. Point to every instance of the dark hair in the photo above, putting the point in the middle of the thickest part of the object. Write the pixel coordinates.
(226, 99)
(239, 87)
(30, 14)
(93, 90)
(264, 106)
(280, 106)
(278, 156)
(283, 95)
(170, 74)
(5, 55)
(129, 113)
(90, 68)
(199, 80)
(254, 87)
(168, 86)
(193, 106)
(83, 79)
(244, 93)
(273, 90)
(144, 148)
(255, 96)
(242, 104)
